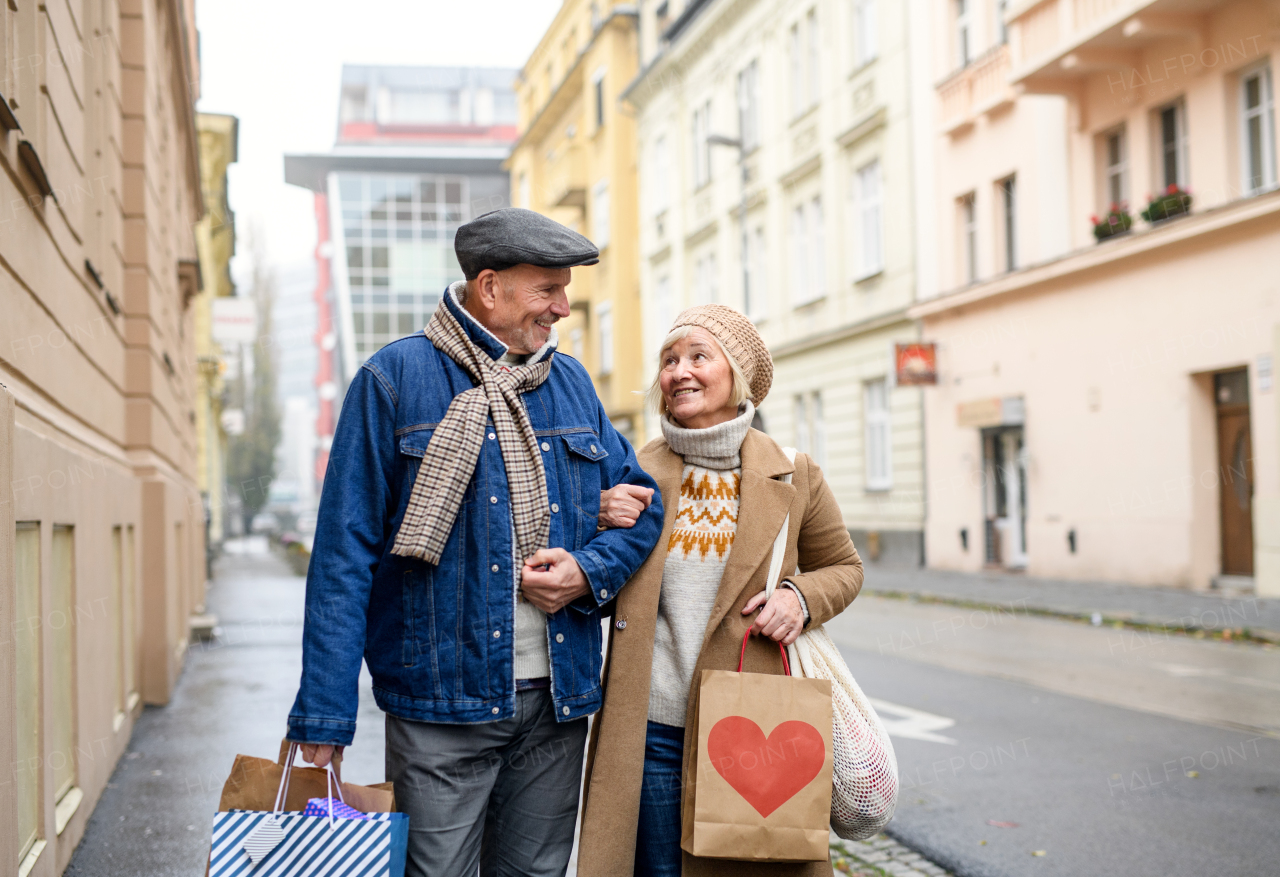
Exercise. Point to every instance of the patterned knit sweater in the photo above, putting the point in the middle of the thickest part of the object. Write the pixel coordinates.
(705, 525)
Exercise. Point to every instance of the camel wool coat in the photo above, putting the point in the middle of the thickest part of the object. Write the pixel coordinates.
(831, 574)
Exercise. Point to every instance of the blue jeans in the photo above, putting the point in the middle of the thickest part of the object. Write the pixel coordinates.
(658, 834)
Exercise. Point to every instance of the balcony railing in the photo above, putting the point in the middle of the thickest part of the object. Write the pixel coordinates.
(981, 87)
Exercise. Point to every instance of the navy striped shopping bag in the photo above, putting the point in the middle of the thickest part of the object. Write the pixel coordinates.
(315, 846)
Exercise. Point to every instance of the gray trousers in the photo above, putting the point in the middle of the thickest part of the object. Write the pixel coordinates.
(501, 797)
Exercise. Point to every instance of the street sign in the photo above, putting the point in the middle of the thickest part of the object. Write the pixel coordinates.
(234, 320)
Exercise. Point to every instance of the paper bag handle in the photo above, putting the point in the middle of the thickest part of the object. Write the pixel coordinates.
(786, 665)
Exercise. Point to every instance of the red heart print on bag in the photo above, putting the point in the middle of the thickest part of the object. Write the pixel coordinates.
(766, 772)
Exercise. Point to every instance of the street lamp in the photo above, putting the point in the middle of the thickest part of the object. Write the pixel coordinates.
(737, 143)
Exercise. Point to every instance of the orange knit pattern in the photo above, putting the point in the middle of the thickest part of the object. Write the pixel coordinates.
(707, 518)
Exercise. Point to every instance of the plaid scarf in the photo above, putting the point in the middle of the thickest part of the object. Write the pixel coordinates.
(450, 458)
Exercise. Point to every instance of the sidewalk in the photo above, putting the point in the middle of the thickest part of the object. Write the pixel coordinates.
(1169, 608)
(234, 697)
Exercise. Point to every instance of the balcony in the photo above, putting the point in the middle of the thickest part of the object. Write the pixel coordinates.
(980, 88)
(1058, 43)
(567, 177)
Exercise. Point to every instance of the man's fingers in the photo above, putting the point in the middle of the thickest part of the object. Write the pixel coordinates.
(546, 555)
(754, 603)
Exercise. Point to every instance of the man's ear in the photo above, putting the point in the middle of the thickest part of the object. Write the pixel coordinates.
(485, 289)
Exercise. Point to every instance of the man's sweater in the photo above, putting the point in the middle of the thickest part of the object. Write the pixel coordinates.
(706, 522)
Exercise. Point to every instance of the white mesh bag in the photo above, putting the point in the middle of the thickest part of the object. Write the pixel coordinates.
(864, 781)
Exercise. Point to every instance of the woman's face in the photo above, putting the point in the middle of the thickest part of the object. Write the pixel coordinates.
(697, 382)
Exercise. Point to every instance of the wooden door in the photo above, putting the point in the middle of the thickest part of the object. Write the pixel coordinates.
(1235, 467)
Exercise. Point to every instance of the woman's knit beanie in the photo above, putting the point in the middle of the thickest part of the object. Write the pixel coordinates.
(739, 338)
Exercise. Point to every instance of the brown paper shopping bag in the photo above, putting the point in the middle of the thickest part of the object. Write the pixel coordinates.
(761, 782)
(254, 782)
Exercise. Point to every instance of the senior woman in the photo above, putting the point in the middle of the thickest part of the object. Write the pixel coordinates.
(687, 608)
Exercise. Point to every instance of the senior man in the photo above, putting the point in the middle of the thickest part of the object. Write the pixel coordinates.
(458, 551)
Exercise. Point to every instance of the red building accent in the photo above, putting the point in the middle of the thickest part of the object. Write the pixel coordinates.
(325, 340)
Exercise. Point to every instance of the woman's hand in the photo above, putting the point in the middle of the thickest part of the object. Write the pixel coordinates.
(781, 620)
(621, 506)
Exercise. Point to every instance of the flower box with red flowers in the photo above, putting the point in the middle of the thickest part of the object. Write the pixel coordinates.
(1174, 201)
(1116, 222)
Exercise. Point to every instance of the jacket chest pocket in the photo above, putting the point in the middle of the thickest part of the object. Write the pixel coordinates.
(413, 445)
(584, 458)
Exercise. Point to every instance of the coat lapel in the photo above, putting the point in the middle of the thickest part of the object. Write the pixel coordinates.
(666, 469)
(763, 505)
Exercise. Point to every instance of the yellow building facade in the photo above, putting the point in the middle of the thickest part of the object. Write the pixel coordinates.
(575, 161)
(215, 245)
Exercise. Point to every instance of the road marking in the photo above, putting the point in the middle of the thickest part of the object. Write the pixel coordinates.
(912, 724)
(1183, 670)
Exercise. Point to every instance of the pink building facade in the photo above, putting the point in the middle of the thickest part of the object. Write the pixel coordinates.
(1100, 180)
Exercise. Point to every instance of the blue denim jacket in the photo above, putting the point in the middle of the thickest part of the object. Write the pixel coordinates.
(439, 639)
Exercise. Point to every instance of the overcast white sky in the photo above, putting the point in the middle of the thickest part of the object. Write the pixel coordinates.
(276, 65)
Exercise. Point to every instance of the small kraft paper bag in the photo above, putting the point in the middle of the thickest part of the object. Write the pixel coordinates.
(761, 782)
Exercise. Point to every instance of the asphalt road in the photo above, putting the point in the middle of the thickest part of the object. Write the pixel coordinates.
(1095, 787)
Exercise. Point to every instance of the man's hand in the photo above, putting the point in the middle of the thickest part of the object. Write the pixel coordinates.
(782, 619)
(319, 754)
(621, 506)
(555, 587)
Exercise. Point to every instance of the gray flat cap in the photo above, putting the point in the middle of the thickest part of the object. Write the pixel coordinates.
(512, 236)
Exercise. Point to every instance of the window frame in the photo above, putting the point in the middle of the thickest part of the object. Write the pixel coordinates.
(605, 338)
(1265, 113)
(967, 205)
(963, 33)
(600, 214)
(1008, 189)
(598, 96)
(1115, 174)
(868, 202)
(748, 94)
(1180, 146)
(877, 424)
(866, 37)
(701, 126)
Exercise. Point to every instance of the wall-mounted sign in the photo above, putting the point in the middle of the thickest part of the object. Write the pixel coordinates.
(915, 365)
(234, 320)
(984, 413)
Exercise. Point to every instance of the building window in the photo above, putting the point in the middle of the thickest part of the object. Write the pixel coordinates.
(524, 191)
(749, 107)
(576, 347)
(1173, 146)
(62, 715)
(659, 190)
(705, 279)
(968, 238)
(1257, 106)
(798, 104)
(879, 450)
(28, 629)
(868, 221)
(662, 310)
(755, 298)
(604, 324)
(807, 252)
(600, 214)
(1002, 29)
(818, 431)
(814, 57)
(597, 91)
(865, 43)
(1008, 208)
(701, 148)
(801, 420)
(962, 32)
(1117, 167)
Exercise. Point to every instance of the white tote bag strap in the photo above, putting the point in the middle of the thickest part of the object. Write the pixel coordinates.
(775, 568)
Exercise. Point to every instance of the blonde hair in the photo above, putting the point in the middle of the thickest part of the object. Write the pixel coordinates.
(741, 389)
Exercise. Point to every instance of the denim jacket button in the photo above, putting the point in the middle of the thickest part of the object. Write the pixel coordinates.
(593, 449)
(495, 710)
(493, 499)
(493, 568)
(565, 710)
(497, 633)
(546, 447)
(621, 624)
(555, 508)
(604, 594)
(559, 637)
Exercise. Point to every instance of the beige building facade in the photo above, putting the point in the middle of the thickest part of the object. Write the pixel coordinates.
(1105, 406)
(101, 523)
(575, 161)
(810, 100)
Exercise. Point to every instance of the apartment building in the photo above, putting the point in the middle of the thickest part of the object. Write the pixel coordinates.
(215, 245)
(101, 522)
(1104, 219)
(575, 161)
(796, 117)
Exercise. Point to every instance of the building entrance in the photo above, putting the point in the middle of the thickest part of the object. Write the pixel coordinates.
(1235, 471)
(1005, 496)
